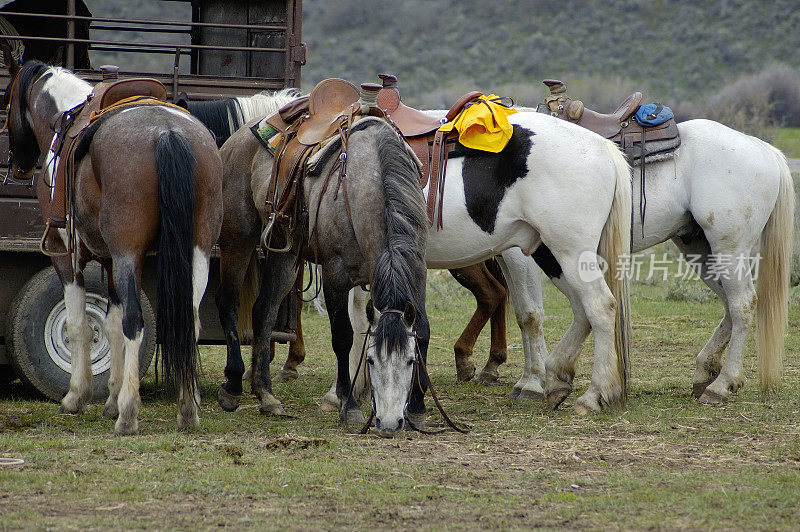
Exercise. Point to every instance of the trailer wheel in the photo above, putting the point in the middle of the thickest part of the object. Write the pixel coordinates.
(36, 335)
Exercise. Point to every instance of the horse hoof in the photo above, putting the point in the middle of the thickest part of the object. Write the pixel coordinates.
(530, 396)
(270, 406)
(698, 388)
(126, 428)
(488, 377)
(465, 372)
(111, 411)
(353, 416)
(285, 375)
(515, 393)
(330, 402)
(228, 401)
(556, 397)
(191, 421)
(710, 397)
(72, 404)
(415, 420)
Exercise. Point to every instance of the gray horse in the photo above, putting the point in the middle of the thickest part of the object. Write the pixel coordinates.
(368, 228)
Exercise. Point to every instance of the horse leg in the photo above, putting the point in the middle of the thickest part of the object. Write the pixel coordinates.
(277, 276)
(234, 265)
(357, 304)
(189, 395)
(80, 337)
(489, 295)
(709, 359)
(336, 291)
(116, 344)
(126, 280)
(297, 348)
(525, 287)
(498, 346)
(740, 296)
(560, 366)
(415, 413)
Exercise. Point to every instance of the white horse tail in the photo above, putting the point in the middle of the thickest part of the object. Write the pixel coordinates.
(615, 242)
(772, 285)
(247, 298)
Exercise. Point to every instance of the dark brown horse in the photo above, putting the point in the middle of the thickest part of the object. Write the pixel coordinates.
(147, 178)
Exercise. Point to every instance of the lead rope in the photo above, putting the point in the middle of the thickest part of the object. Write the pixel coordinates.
(464, 429)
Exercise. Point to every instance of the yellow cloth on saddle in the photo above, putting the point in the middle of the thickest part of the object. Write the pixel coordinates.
(133, 100)
(483, 125)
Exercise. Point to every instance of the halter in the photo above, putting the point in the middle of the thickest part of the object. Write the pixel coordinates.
(421, 367)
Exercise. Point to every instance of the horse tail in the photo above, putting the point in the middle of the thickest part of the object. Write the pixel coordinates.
(247, 298)
(175, 316)
(772, 285)
(615, 242)
(399, 275)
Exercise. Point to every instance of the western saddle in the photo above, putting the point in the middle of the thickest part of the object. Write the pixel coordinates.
(619, 126)
(421, 131)
(332, 106)
(72, 124)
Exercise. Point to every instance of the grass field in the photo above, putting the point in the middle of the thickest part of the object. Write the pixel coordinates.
(665, 462)
(787, 139)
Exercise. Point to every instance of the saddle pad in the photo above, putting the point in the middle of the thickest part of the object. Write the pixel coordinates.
(483, 125)
(653, 114)
(267, 134)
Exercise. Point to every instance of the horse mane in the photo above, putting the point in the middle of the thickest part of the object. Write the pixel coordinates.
(221, 117)
(399, 275)
(224, 117)
(29, 73)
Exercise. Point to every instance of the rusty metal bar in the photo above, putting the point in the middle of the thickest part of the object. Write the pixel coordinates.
(187, 31)
(271, 27)
(145, 45)
(70, 63)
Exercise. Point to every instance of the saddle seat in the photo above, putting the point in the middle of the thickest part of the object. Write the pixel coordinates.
(619, 126)
(327, 101)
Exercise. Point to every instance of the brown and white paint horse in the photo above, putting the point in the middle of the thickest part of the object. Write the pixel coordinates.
(150, 180)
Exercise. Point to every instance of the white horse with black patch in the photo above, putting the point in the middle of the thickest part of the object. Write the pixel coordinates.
(561, 193)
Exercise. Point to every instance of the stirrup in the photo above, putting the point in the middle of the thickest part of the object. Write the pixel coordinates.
(42, 247)
(268, 231)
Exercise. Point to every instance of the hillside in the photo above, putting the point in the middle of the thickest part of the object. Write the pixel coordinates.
(671, 49)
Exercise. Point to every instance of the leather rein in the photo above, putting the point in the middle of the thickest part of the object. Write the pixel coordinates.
(464, 429)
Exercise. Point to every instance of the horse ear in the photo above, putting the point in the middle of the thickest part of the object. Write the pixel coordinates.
(409, 314)
(370, 312)
(8, 59)
(182, 100)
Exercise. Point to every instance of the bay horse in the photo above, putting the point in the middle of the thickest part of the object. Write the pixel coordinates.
(150, 180)
(370, 228)
(484, 280)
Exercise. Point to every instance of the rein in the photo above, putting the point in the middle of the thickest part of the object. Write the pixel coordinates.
(421, 368)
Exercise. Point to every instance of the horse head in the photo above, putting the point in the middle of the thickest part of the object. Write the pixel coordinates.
(391, 355)
(23, 148)
(35, 96)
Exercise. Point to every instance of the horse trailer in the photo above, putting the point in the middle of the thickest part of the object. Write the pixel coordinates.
(207, 49)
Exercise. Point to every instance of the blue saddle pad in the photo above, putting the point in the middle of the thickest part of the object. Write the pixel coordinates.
(653, 114)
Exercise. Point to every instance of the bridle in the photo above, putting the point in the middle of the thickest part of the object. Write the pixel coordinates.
(420, 368)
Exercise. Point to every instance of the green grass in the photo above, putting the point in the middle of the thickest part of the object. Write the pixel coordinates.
(664, 462)
(787, 139)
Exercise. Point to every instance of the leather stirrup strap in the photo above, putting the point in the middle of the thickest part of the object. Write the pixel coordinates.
(435, 171)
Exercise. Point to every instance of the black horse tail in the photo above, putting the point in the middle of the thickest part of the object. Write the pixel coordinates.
(400, 271)
(175, 315)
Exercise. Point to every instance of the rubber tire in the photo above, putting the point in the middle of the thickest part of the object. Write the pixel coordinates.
(25, 343)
